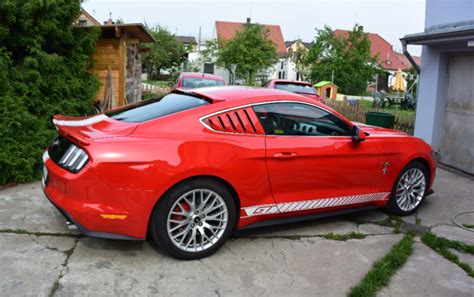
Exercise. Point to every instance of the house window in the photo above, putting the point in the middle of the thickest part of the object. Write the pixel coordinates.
(281, 65)
(82, 23)
(209, 68)
(281, 74)
(297, 76)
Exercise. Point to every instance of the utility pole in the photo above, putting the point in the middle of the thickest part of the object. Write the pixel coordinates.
(332, 77)
(199, 40)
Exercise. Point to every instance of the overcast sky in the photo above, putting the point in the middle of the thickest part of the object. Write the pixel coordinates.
(298, 19)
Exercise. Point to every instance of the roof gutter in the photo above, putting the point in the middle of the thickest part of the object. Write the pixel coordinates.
(408, 55)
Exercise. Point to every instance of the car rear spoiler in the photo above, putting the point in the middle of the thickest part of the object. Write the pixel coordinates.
(67, 127)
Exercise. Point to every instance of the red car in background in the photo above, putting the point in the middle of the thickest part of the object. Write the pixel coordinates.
(190, 167)
(299, 87)
(193, 80)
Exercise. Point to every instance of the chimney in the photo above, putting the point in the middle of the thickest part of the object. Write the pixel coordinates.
(248, 20)
(109, 21)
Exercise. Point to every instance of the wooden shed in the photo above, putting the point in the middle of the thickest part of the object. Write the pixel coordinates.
(118, 55)
(117, 60)
(326, 89)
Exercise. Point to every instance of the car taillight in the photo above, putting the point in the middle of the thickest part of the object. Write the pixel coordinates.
(74, 159)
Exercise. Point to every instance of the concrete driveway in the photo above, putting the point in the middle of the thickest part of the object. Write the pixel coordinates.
(40, 257)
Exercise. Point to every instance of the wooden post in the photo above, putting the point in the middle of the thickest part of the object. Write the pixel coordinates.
(122, 68)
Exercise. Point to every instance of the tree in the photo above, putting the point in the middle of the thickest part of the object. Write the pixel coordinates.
(300, 57)
(411, 78)
(166, 53)
(348, 59)
(250, 50)
(45, 67)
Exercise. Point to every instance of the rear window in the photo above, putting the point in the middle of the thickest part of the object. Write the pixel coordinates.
(295, 88)
(156, 108)
(195, 82)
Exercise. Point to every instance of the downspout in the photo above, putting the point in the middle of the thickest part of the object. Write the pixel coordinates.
(409, 57)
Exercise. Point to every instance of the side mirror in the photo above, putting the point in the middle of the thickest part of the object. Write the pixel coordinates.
(357, 134)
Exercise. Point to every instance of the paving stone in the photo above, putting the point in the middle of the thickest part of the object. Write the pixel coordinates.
(30, 265)
(336, 225)
(464, 257)
(248, 266)
(428, 274)
(25, 207)
(243, 267)
(453, 194)
(374, 229)
(454, 233)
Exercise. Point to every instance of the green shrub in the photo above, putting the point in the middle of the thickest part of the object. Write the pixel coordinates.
(45, 67)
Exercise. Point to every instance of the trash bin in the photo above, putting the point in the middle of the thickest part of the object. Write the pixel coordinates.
(379, 119)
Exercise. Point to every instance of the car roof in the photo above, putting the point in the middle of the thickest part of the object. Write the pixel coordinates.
(228, 97)
(296, 82)
(201, 75)
(245, 95)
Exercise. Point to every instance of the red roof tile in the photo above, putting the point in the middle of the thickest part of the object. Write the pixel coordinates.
(388, 58)
(227, 30)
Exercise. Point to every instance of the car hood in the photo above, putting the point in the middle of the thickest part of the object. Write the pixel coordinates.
(93, 127)
(374, 130)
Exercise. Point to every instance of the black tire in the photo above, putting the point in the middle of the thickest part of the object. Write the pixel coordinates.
(393, 206)
(159, 217)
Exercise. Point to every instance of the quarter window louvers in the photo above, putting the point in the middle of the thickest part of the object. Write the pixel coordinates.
(250, 121)
(241, 121)
(231, 122)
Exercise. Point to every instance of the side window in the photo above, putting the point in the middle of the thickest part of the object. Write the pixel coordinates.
(299, 119)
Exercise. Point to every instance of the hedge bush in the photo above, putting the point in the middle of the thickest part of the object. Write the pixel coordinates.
(44, 70)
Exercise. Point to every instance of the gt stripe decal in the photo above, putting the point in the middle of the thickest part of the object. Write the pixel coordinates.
(312, 204)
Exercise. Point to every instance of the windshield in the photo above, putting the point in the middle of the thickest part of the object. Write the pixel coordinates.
(295, 88)
(156, 108)
(198, 82)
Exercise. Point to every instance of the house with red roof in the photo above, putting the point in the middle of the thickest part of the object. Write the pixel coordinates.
(388, 58)
(225, 30)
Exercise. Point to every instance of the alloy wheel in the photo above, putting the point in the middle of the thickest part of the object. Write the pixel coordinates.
(197, 220)
(411, 189)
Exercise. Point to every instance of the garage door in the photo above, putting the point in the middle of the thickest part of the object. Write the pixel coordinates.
(457, 142)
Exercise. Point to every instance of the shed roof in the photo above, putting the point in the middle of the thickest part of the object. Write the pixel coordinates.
(324, 83)
(136, 30)
(227, 30)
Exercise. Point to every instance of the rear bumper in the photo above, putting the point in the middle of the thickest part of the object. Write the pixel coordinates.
(94, 207)
(70, 220)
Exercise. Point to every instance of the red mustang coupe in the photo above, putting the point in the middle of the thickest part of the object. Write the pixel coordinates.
(192, 166)
(299, 87)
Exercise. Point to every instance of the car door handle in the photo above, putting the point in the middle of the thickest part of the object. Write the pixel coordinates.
(285, 155)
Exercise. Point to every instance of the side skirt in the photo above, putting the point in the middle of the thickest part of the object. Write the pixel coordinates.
(307, 217)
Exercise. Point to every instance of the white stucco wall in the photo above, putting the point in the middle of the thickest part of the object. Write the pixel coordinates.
(434, 69)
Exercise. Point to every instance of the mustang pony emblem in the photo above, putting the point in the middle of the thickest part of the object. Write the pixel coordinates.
(385, 167)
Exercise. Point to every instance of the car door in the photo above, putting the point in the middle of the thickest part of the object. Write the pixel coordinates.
(312, 161)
